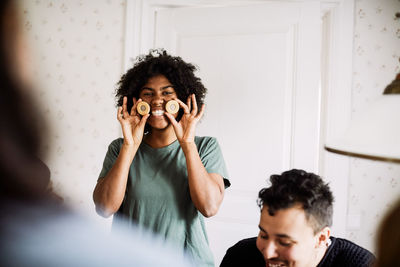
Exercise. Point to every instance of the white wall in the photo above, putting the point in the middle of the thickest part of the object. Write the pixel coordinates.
(78, 53)
(373, 185)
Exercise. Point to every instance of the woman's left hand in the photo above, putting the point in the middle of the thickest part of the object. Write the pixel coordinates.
(185, 129)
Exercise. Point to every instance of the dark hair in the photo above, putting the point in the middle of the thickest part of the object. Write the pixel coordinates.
(159, 62)
(299, 187)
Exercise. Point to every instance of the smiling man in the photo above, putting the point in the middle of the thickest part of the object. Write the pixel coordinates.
(296, 215)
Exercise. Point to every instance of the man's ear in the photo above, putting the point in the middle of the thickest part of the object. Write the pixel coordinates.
(323, 237)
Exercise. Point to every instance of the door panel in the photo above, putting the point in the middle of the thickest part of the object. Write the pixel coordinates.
(261, 65)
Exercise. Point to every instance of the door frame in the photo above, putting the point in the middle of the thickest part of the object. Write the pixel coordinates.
(337, 18)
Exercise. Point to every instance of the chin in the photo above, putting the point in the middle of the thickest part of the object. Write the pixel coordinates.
(159, 126)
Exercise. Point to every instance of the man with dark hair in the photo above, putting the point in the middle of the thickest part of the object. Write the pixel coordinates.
(296, 215)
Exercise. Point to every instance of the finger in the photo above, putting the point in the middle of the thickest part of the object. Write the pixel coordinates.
(189, 104)
(194, 110)
(202, 109)
(133, 109)
(171, 119)
(143, 121)
(119, 114)
(185, 108)
(124, 107)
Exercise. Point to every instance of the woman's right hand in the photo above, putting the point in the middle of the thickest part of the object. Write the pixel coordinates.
(131, 123)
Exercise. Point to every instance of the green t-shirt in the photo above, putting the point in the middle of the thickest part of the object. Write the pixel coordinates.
(157, 195)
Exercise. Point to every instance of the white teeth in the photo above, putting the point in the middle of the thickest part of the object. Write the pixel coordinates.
(157, 112)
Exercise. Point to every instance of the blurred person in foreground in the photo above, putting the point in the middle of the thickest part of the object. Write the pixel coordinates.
(388, 239)
(296, 215)
(36, 229)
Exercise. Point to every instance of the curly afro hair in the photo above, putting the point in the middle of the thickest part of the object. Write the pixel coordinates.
(299, 187)
(159, 62)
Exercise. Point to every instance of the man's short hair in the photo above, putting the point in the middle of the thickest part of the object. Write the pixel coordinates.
(299, 187)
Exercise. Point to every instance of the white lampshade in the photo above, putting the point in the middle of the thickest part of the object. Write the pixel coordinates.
(375, 134)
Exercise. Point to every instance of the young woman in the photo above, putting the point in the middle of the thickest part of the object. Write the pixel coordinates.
(161, 176)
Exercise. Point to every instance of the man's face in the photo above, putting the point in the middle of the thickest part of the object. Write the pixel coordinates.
(287, 239)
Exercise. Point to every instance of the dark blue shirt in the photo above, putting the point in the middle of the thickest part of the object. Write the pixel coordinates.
(340, 253)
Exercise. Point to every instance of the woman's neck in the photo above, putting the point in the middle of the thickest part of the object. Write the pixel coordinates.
(160, 138)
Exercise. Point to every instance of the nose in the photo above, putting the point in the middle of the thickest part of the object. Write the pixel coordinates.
(157, 100)
(270, 250)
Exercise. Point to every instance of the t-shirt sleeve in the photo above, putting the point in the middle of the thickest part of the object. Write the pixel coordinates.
(212, 158)
(111, 157)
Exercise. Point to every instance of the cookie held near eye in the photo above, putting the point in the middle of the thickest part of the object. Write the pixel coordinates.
(143, 108)
(172, 106)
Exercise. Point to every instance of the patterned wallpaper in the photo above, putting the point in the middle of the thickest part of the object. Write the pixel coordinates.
(373, 185)
(77, 54)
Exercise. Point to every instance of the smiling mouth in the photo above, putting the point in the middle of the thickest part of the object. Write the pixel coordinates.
(275, 265)
(157, 112)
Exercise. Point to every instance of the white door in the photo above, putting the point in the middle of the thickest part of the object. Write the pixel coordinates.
(261, 65)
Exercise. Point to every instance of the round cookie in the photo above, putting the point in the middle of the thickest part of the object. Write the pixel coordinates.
(172, 106)
(143, 108)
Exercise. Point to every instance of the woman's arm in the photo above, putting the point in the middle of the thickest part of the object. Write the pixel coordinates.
(206, 189)
(110, 190)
